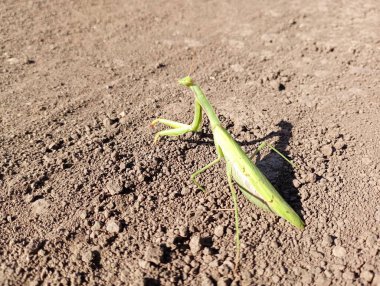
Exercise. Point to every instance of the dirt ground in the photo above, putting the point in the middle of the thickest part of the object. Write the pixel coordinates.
(86, 198)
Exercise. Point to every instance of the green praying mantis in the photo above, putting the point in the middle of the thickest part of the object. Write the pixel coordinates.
(240, 169)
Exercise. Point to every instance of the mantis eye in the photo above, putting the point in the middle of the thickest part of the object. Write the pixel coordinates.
(186, 81)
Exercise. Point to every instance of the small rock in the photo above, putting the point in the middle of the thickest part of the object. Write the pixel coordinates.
(54, 146)
(97, 226)
(113, 226)
(366, 160)
(114, 187)
(206, 281)
(376, 280)
(154, 254)
(184, 231)
(339, 251)
(123, 120)
(107, 122)
(377, 215)
(327, 240)
(88, 256)
(296, 183)
(195, 244)
(34, 246)
(222, 282)
(367, 276)
(143, 264)
(327, 150)
(219, 231)
(260, 271)
(339, 145)
(311, 178)
(321, 281)
(114, 156)
(348, 275)
(275, 279)
(83, 214)
(13, 61)
(40, 207)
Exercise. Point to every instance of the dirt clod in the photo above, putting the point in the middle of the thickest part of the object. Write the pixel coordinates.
(339, 251)
(154, 254)
(327, 150)
(219, 231)
(367, 276)
(114, 187)
(113, 226)
(195, 244)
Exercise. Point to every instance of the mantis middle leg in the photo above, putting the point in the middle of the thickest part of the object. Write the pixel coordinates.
(209, 165)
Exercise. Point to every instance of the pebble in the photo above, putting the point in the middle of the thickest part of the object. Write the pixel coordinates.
(40, 207)
(97, 226)
(311, 178)
(184, 231)
(123, 120)
(339, 145)
(339, 251)
(327, 240)
(195, 244)
(113, 226)
(88, 256)
(327, 150)
(260, 271)
(367, 275)
(320, 281)
(275, 279)
(143, 264)
(296, 183)
(114, 187)
(219, 231)
(107, 122)
(154, 254)
(348, 275)
(206, 281)
(376, 280)
(366, 160)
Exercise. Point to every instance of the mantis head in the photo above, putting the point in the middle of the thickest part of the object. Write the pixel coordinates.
(186, 81)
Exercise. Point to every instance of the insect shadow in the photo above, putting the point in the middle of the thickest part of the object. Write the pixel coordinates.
(276, 169)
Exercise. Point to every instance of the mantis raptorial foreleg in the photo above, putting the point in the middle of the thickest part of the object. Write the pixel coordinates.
(172, 132)
(234, 198)
(265, 144)
(177, 127)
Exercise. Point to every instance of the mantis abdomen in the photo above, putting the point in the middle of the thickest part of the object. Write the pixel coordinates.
(251, 181)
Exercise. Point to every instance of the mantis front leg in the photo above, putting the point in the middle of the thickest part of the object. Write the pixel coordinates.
(177, 127)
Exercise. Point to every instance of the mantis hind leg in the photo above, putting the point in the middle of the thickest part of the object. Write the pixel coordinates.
(234, 198)
(265, 144)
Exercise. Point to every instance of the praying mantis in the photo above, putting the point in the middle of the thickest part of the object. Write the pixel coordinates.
(239, 167)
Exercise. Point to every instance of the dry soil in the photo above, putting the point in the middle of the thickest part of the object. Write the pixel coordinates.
(86, 198)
